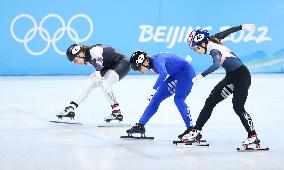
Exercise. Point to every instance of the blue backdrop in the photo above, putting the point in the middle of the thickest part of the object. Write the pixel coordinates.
(35, 34)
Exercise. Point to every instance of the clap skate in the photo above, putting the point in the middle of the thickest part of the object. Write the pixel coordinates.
(138, 128)
(249, 142)
(191, 137)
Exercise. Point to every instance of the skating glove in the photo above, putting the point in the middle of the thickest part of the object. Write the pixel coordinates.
(248, 27)
(188, 58)
(197, 78)
(151, 94)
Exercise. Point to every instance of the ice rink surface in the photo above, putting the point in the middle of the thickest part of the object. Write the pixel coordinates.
(29, 142)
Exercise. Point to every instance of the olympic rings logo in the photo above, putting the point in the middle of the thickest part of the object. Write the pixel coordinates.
(45, 35)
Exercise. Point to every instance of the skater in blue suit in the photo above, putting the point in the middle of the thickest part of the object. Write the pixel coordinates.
(179, 84)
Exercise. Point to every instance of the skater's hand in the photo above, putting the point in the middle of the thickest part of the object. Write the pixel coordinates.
(248, 27)
(188, 58)
(197, 78)
(151, 94)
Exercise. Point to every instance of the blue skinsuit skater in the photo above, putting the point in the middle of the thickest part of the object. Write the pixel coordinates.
(179, 83)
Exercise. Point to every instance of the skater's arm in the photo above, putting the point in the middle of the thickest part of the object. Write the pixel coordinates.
(163, 74)
(160, 80)
(96, 74)
(227, 32)
(99, 64)
(216, 55)
(97, 55)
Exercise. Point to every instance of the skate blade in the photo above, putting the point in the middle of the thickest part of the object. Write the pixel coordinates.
(182, 142)
(109, 121)
(136, 137)
(192, 143)
(64, 122)
(252, 149)
(61, 117)
(114, 125)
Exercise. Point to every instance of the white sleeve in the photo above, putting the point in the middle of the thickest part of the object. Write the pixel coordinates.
(96, 53)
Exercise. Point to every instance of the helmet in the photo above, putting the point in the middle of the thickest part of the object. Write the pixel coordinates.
(72, 51)
(197, 37)
(137, 59)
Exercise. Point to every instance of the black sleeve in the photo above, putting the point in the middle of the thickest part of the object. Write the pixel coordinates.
(224, 34)
(216, 56)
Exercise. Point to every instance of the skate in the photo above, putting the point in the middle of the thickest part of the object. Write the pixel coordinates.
(68, 112)
(252, 143)
(115, 115)
(112, 117)
(191, 136)
(109, 121)
(138, 128)
(70, 115)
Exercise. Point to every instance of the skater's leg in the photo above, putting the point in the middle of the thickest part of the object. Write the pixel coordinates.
(182, 90)
(108, 80)
(239, 98)
(112, 76)
(106, 83)
(161, 94)
(122, 68)
(242, 84)
(220, 92)
(92, 82)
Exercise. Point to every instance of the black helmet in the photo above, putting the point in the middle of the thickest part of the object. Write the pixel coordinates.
(72, 51)
(137, 59)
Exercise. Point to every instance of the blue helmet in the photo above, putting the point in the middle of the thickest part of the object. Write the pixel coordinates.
(197, 37)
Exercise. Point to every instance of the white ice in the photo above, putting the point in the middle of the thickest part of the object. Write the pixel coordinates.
(29, 142)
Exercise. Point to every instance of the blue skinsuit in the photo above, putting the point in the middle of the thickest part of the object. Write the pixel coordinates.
(179, 83)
